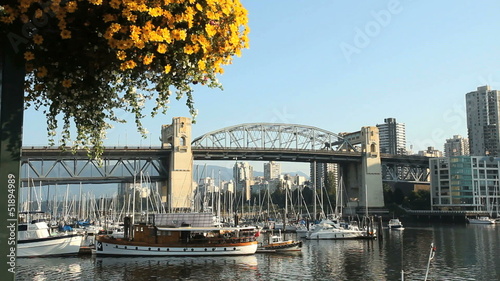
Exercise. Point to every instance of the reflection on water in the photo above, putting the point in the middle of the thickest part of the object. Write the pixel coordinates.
(464, 252)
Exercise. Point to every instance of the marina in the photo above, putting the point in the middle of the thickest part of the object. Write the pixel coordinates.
(462, 252)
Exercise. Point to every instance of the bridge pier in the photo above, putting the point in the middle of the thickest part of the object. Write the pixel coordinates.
(364, 180)
(178, 192)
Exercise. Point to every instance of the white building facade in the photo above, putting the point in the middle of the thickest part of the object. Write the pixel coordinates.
(465, 183)
(272, 170)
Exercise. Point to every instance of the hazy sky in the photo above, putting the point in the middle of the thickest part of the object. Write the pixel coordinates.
(341, 65)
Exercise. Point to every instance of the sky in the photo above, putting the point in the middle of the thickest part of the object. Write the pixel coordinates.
(342, 65)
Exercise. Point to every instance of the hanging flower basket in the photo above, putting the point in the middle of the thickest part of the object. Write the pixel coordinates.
(87, 58)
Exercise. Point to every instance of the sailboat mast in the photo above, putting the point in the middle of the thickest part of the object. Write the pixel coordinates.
(314, 190)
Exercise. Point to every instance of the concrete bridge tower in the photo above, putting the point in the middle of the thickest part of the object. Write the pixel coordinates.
(364, 180)
(176, 137)
(371, 169)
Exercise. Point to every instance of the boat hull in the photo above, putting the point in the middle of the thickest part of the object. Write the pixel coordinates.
(287, 246)
(338, 235)
(481, 220)
(131, 249)
(50, 246)
(474, 221)
(396, 228)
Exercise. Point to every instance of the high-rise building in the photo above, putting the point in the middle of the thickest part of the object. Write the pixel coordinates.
(456, 146)
(243, 176)
(272, 170)
(319, 173)
(483, 121)
(392, 137)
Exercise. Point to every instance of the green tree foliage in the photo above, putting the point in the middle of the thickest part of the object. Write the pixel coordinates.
(419, 200)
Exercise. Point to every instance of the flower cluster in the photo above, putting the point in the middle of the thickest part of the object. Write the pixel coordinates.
(87, 58)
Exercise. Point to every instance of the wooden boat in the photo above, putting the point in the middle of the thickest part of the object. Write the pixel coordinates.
(35, 239)
(276, 243)
(184, 235)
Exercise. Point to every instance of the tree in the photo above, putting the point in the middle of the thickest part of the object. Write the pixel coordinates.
(419, 200)
(87, 58)
(398, 196)
(388, 194)
(331, 183)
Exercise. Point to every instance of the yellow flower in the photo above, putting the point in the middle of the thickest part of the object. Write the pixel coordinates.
(198, 6)
(38, 39)
(38, 13)
(114, 27)
(65, 34)
(188, 49)
(162, 48)
(201, 65)
(115, 4)
(71, 7)
(121, 55)
(128, 65)
(67, 83)
(167, 68)
(179, 34)
(155, 12)
(148, 59)
(210, 29)
(109, 17)
(42, 72)
(29, 56)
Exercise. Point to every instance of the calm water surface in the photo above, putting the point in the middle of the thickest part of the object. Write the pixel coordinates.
(464, 252)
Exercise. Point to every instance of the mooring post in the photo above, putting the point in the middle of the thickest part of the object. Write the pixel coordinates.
(12, 73)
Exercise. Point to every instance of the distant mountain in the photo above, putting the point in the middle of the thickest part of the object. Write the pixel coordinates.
(226, 174)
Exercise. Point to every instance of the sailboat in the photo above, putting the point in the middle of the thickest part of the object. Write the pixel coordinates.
(334, 228)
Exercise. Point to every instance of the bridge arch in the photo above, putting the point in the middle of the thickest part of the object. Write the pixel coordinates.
(272, 136)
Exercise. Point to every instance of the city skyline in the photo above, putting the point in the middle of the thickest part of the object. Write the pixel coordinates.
(341, 66)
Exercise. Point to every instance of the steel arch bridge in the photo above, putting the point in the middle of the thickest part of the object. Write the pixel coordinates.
(273, 136)
(251, 141)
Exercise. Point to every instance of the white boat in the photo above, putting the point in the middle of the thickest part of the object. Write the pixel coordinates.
(333, 231)
(304, 230)
(35, 239)
(395, 224)
(183, 235)
(481, 220)
(276, 244)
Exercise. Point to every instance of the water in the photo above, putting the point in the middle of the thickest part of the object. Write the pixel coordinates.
(463, 252)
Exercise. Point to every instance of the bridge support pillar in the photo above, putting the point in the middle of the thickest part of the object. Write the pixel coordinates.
(179, 189)
(364, 180)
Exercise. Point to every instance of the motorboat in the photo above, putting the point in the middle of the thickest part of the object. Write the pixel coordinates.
(481, 220)
(333, 231)
(36, 239)
(276, 243)
(395, 224)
